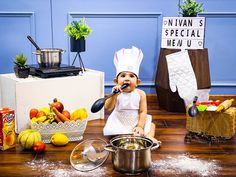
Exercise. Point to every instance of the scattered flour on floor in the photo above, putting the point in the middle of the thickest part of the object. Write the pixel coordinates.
(59, 169)
(183, 164)
(176, 166)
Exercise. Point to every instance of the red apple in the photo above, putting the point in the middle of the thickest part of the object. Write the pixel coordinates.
(58, 105)
(66, 113)
(33, 112)
(40, 114)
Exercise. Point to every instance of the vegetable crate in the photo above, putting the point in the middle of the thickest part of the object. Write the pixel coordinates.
(222, 124)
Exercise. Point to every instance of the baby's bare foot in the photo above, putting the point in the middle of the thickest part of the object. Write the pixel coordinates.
(154, 140)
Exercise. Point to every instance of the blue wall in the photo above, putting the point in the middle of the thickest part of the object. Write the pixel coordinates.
(116, 24)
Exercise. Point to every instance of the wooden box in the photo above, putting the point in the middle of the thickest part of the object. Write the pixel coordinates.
(221, 124)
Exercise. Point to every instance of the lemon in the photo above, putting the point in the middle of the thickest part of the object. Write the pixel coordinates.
(45, 110)
(83, 114)
(79, 114)
(59, 139)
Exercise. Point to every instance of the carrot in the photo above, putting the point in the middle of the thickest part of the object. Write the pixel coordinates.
(57, 119)
(60, 115)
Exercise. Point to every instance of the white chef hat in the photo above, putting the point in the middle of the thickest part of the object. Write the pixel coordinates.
(128, 60)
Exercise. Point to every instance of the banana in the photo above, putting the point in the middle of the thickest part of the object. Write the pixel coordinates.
(51, 117)
(47, 121)
(41, 119)
(34, 119)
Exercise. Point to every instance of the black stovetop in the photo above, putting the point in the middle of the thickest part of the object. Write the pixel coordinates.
(63, 70)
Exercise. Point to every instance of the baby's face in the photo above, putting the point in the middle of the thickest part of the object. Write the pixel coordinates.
(128, 78)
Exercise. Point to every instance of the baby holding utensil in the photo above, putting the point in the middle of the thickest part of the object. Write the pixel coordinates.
(129, 115)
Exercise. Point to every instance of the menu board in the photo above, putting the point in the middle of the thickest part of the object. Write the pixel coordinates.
(183, 32)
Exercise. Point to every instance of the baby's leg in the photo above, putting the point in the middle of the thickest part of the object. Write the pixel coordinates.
(151, 134)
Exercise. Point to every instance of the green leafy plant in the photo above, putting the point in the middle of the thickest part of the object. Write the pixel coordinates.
(78, 29)
(190, 8)
(20, 61)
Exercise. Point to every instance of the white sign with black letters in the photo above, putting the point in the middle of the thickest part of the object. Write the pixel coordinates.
(183, 32)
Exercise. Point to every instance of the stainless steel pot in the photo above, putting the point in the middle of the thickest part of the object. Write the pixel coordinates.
(49, 57)
(131, 154)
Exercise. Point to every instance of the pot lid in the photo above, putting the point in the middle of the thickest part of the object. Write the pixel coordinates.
(89, 155)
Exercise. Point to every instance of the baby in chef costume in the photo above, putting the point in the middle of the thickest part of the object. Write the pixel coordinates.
(129, 115)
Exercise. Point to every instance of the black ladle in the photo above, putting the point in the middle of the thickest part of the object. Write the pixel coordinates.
(98, 105)
(193, 111)
(32, 41)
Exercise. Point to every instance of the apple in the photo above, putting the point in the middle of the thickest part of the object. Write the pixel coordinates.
(66, 113)
(39, 147)
(58, 105)
(40, 114)
(33, 112)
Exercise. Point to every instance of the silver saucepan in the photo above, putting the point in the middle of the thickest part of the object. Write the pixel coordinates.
(131, 154)
(49, 57)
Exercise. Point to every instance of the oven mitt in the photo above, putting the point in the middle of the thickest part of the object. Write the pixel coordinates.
(181, 75)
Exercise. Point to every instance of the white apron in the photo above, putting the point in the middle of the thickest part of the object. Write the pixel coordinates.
(125, 116)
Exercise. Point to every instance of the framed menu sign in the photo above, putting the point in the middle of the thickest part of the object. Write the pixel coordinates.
(183, 32)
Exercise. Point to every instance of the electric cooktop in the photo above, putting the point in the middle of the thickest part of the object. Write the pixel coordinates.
(63, 70)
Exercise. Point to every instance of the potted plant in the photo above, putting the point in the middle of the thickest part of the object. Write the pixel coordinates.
(190, 8)
(21, 69)
(78, 32)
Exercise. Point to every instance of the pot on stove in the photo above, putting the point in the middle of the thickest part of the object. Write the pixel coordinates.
(130, 154)
(49, 57)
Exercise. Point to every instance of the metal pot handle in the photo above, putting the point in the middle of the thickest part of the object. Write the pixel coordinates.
(109, 148)
(155, 146)
(37, 53)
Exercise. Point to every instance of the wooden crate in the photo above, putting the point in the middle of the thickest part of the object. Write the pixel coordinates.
(221, 124)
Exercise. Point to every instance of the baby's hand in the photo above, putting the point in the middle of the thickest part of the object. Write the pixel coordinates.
(138, 131)
(117, 88)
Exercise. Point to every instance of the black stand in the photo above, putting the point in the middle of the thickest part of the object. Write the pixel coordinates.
(80, 61)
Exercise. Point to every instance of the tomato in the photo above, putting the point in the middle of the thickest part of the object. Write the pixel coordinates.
(33, 112)
(40, 114)
(39, 147)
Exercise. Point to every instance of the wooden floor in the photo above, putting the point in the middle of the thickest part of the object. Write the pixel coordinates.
(173, 158)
